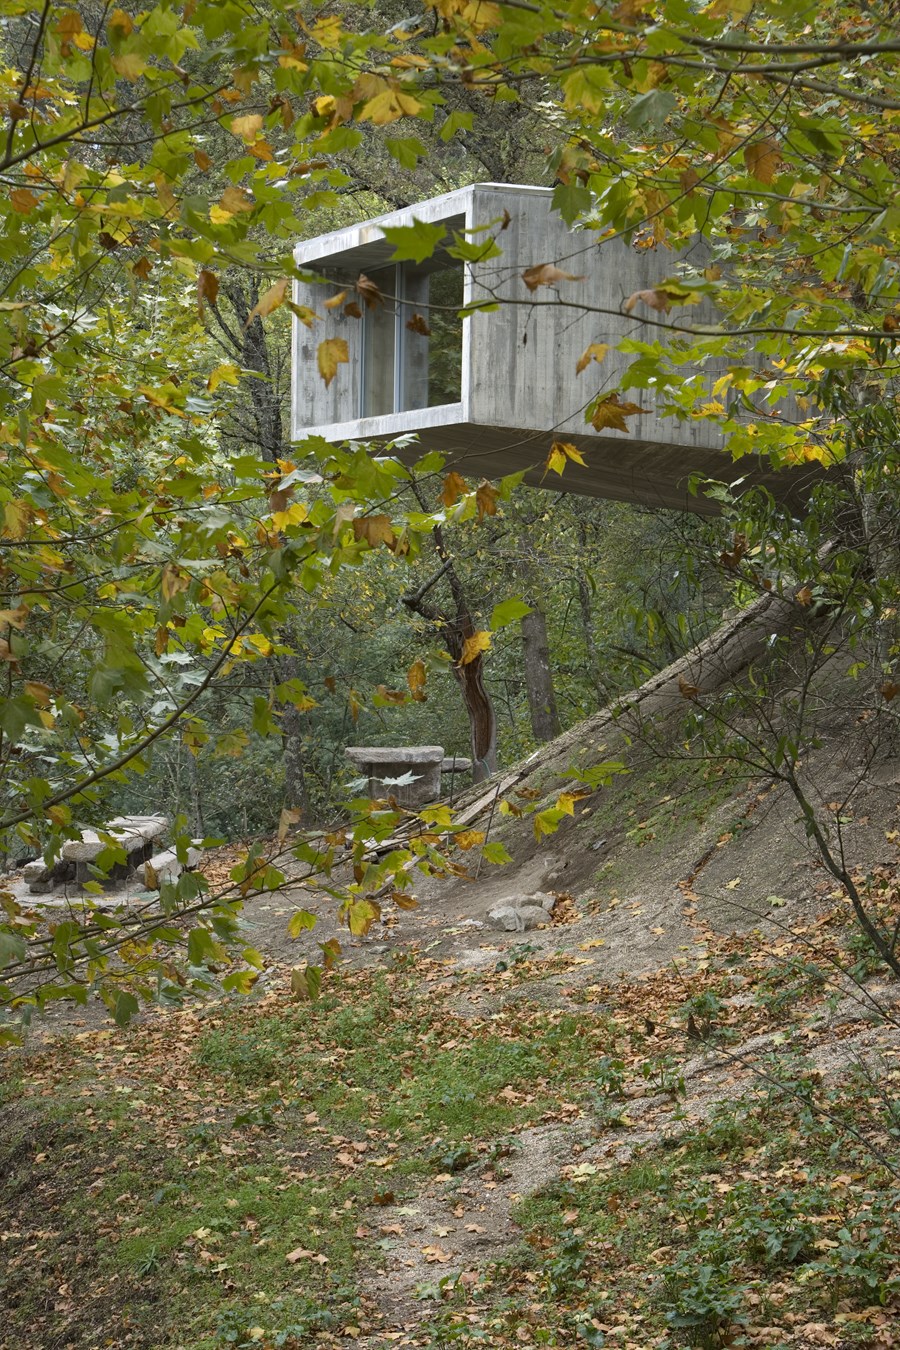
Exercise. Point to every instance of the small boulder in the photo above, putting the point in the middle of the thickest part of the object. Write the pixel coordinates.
(36, 871)
(532, 916)
(506, 918)
(521, 915)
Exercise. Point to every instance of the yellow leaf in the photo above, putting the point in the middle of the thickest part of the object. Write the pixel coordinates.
(473, 646)
(804, 596)
(17, 517)
(306, 315)
(120, 24)
(247, 127)
(39, 692)
(129, 65)
(330, 354)
(556, 460)
(269, 301)
(415, 678)
(404, 901)
(333, 301)
(467, 839)
(566, 450)
(361, 914)
(295, 514)
(595, 352)
(173, 581)
(226, 373)
(235, 200)
(389, 106)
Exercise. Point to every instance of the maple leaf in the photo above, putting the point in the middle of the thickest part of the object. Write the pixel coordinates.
(207, 287)
(473, 646)
(547, 274)
(269, 301)
(454, 487)
(417, 324)
(415, 678)
(23, 200)
(611, 412)
(234, 201)
(247, 127)
(329, 355)
(369, 290)
(374, 529)
(762, 159)
(486, 500)
(595, 352)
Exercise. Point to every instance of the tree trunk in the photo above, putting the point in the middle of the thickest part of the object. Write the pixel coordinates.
(538, 677)
(454, 629)
(482, 721)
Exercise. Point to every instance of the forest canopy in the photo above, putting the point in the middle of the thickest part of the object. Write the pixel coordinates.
(169, 556)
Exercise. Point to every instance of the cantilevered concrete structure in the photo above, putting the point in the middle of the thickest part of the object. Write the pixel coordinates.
(493, 391)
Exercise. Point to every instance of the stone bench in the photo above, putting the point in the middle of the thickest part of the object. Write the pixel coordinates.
(167, 866)
(134, 834)
(418, 767)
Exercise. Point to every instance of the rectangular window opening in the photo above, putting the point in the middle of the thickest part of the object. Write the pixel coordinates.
(412, 344)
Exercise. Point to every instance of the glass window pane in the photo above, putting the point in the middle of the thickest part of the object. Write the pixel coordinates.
(379, 324)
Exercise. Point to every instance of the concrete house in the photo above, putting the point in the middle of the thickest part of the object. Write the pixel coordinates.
(493, 391)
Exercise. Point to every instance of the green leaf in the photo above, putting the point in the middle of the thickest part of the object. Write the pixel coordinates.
(407, 151)
(509, 611)
(200, 946)
(457, 121)
(414, 242)
(650, 109)
(301, 921)
(12, 948)
(126, 1007)
(495, 853)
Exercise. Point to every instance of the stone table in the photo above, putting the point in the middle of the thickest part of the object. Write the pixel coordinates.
(383, 763)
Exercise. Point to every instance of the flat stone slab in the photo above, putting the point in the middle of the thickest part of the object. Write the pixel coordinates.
(376, 756)
(129, 832)
(167, 866)
(455, 764)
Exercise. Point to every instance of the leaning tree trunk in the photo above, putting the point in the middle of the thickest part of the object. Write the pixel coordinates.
(539, 677)
(479, 707)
